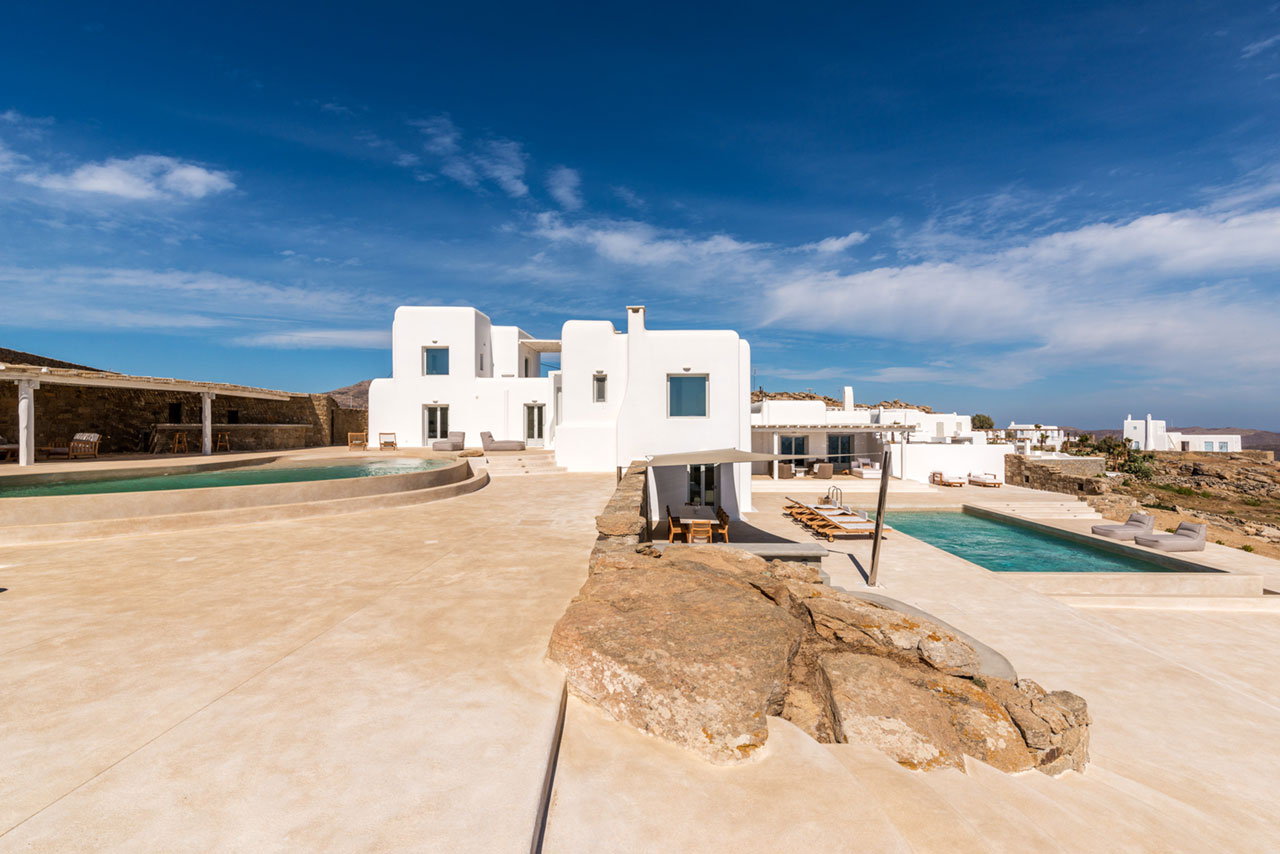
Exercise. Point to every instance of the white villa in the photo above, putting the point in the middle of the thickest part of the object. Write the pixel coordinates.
(616, 396)
(1148, 434)
(852, 437)
(1051, 437)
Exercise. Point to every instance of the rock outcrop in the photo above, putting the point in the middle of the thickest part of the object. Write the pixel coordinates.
(701, 645)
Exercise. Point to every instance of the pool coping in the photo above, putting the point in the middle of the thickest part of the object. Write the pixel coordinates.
(39, 511)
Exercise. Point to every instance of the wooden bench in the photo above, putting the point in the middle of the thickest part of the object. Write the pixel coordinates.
(81, 445)
(799, 552)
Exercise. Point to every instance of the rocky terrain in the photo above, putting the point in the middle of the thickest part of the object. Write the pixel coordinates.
(700, 645)
(1237, 495)
(352, 396)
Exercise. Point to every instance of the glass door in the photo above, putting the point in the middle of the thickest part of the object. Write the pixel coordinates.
(534, 415)
(435, 423)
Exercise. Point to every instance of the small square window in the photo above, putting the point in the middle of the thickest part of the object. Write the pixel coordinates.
(687, 396)
(233, 416)
(435, 360)
(599, 388)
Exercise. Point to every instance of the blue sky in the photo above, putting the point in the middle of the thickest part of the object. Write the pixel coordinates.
(1058, 215)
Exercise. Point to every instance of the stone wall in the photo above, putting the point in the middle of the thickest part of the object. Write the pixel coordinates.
(1078, 477)
(243, 437)
(624, 524)
(126, 418)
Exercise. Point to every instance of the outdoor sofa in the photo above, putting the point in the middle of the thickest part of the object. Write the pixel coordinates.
(454, 443)
(1138, 524)
(1187, 537)
(487, 440)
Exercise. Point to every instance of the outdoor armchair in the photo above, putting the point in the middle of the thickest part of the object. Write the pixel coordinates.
(454, 443)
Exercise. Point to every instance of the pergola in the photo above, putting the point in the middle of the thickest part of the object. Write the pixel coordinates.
(30, 377)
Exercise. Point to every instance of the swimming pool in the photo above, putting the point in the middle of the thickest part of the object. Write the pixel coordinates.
(1010, 548)
(246, 476)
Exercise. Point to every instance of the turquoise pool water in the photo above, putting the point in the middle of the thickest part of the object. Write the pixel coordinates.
(225, 477)
(1010, 548)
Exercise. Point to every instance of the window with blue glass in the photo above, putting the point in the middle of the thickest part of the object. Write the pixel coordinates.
(687, 396)
(435, 360)
(793, 445)
(839, 448)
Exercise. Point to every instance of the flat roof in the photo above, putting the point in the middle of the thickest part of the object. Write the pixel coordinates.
(541, 345)
(110, 379)
(842, 428)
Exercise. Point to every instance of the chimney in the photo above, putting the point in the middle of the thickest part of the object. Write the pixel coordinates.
(848, 397)
(635, 319)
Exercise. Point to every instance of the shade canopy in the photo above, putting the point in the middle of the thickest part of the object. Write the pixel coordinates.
(723, 455)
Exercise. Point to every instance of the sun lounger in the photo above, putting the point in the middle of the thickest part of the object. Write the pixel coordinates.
(487, 440)
(387, 442)
(985, 479)
(1139, 523)
(938, 478)
(454, 443)
(1188, 537)
(830, 528)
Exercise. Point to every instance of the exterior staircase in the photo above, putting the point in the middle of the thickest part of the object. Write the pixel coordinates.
(510, 463)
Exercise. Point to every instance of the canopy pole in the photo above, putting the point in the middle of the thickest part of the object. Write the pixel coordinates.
(206, 423)
(880, 506)
(27, 421)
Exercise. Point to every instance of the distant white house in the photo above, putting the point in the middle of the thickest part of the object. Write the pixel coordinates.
(1048, 435)
(1148, 434)
(616, 396)
(922, 442)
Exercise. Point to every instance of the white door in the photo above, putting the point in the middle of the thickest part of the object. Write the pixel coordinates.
(534, 415)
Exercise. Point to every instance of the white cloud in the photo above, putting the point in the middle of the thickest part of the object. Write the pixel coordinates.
(837, 244)
(629, 197)
(9, 159)
(1254, 48)
(565, 186)
(503, 161)
(442, 136)
(307, 339)
(145, 177)
(638, 243)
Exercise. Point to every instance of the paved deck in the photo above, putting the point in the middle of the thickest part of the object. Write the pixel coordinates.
(375, 681)
(371, 681)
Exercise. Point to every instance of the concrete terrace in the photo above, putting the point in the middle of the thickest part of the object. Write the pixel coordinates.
(374, 681)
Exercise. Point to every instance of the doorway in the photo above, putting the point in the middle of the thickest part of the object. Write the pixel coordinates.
(534, 424)
(435, 423)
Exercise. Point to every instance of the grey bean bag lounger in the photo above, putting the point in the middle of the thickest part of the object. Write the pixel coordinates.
(486, 439)
(453, 443)
(1139, 523)
(1189, 537)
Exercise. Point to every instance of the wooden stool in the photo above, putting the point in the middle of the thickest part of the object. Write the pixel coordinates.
(180, 444)
(224, 442)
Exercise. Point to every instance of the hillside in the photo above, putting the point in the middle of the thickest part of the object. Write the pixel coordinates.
(352, 396)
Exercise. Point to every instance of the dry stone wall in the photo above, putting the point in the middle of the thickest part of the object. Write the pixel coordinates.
(1078, 477)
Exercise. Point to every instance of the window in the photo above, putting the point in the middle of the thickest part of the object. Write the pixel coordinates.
(233, 416)
(435, 360)
(839, 448)
(702, 485)
(599, 385)
(175, 413)
(435, 423)
(793, 445)
(1222, 446)
(687, 396)
(526, 366)
(481, 368)
(1208, 446)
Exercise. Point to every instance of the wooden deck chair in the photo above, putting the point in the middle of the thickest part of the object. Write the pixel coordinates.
(387, 442)
(699, 528)
(357, 441)
(674, 527)
(722, 526)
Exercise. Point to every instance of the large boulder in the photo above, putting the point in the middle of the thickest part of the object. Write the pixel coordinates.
(693, 656)
(869, 626)
(1054, 724)
(921, 718)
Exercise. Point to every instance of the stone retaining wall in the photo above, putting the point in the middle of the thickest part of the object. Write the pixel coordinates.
(1078, 477)
(243, 437)
(126, 417)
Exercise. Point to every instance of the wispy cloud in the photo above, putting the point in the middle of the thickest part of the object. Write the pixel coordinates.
(638, 243)
(501, 161)
(565, 186)
(837, 244)
(629, 197)
(1254, 48)
(144, 177)
(316, 339)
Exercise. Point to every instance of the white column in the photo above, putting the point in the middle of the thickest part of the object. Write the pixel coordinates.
(777, 443)
(27, 421)
(206, 423)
